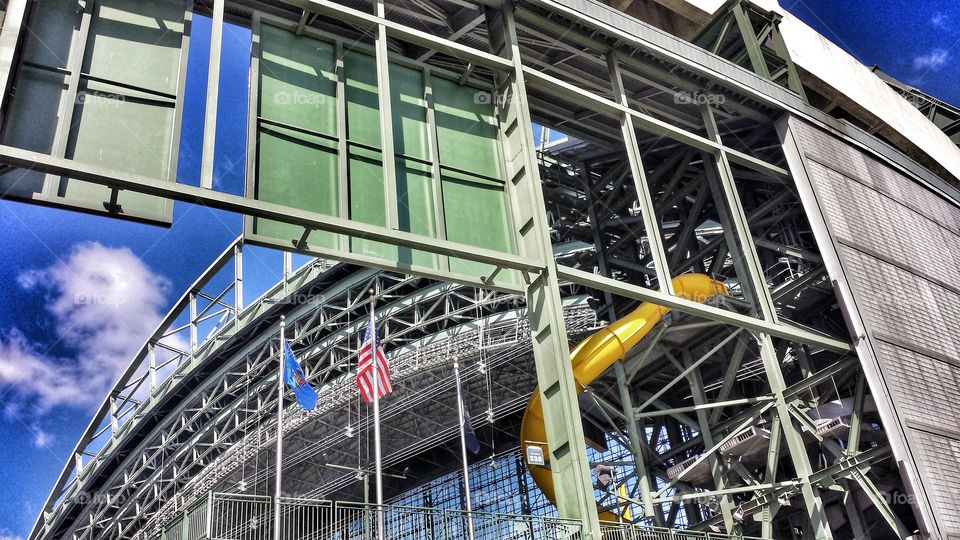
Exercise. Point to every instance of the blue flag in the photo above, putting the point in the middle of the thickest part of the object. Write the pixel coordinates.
(469, 437)
(294, 378)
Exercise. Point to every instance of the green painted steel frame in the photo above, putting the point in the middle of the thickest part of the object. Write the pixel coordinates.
(528, 218)
(56, 190)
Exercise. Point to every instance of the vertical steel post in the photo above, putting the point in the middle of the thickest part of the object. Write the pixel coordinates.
(213, 93)
(633, 432)
(238, 280)
(386, 122)
(463, 448)
(557, 387)
(209, 511)
(644, 198)
(193, 322)
(276, 500)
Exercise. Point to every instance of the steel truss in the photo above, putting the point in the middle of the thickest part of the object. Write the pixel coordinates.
(655, 187)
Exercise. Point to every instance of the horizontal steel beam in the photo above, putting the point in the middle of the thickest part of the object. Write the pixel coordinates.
(636, 292)
(405, 33)
(648, 123)
(264, 210)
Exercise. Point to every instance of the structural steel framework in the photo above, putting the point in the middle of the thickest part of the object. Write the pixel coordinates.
(750, 414)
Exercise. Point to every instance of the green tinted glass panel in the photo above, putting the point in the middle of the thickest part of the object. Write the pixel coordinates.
(367, 203)
(137, 42)
(121, 132)
(297, 167)
(476, 214)
(363, 110)
(466, 132)
(127, 73)
(298, 84)
(409, 109)
(300, 171)
(415, 211)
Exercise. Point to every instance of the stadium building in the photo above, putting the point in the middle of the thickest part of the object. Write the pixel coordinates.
(691, 253)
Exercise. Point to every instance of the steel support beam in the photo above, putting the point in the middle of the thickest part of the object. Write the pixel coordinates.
(816, 512)
(750, 40)
(384, 98)
(213, 93)
(650, 221)
(557, 386)
(637, 292)
(261, 209)
(634, 433)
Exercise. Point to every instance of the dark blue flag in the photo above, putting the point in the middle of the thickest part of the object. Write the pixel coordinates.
(469, 437)
(294, 378)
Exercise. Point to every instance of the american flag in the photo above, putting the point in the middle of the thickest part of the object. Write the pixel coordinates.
(365, 366)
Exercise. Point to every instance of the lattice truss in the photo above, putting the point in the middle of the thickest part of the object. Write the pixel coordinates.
(215, 430)
(193, 411)
(221, 396)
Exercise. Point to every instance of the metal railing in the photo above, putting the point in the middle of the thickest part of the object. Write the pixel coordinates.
(223, 516)
(247, 517)
(628, 531)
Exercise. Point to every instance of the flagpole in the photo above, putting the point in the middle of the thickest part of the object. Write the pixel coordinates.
(376, 417)
(463, 449)
(276, 504)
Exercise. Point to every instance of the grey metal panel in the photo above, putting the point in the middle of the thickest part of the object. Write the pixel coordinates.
(923, 385)
(941, 463)
(897, 233)
(854, 164)
(898, 243)
(900, 304)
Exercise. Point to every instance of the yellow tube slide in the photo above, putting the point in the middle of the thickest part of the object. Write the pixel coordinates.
(598, 352)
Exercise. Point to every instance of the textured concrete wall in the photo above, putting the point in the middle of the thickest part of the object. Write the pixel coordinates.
(899, 246)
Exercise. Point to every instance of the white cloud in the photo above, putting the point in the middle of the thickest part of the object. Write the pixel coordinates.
(41, 439)
(104, 303)
(7, 535)
(932, 60)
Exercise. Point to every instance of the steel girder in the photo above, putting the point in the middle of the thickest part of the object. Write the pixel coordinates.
(325, 323)
(650, 78)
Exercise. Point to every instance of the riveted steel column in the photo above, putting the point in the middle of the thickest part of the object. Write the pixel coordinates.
(557, 387)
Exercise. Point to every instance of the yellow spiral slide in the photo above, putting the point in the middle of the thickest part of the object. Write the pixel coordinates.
(598, 352)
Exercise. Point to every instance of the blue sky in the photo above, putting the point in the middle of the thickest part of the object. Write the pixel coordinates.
(49, 254)
(916, 42)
